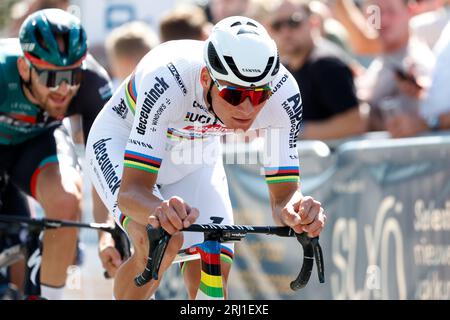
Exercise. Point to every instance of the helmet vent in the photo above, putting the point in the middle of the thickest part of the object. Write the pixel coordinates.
(214, 60)
(252, 24)
(232, 65)
(40, 39)
(81, 40)
(237, 23)
(65, 39)
(247, 30)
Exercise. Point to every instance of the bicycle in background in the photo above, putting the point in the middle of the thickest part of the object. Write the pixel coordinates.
(30, 248)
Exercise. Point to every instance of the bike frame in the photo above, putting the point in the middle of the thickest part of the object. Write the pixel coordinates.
(211, 285)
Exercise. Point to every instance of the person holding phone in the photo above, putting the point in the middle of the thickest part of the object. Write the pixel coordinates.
(396, 81)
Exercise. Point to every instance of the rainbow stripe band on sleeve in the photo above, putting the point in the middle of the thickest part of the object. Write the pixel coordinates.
(124, 220)
(281, 174)
(131, 94)
(142, 161)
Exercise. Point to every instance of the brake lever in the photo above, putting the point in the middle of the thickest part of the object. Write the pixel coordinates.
(158, 241)
(311, 251)
(319, 259)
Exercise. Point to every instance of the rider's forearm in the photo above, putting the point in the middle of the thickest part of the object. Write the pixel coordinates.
(349, 123)
(363, 38)
(101, 215)
(138, 204)
(444, 121)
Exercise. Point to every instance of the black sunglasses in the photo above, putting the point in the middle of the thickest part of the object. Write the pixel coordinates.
(294, 21)
(52, 79)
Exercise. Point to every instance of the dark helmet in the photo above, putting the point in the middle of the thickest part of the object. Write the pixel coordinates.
(40, 31)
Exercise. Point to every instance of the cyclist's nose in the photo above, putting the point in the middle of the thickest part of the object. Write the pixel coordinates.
(63, 88)
(246, 107)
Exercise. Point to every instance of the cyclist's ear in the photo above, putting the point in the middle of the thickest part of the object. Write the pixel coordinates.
(205, 79)
(24, 69)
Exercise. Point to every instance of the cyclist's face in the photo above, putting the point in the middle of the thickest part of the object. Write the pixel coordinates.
(55, 102)
(241, 116)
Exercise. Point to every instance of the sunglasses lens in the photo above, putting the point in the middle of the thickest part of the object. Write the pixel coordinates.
(236, 97)
(52, 79)
(77, 76)
(43, 77)
(260, 96)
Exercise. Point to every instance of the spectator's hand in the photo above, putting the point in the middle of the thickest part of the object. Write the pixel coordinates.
(406, 125)
(409, 86)
(306, 215)
(173, 215)
(109, 256)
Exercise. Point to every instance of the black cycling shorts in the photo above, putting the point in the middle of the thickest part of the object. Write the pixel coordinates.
(22, 163)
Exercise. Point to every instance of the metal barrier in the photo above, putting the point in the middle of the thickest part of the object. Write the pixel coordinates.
(388, 232)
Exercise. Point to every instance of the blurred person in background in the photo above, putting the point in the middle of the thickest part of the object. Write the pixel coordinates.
(125, 47)
(396, 81)
(22, 9)
(330, 106)
(261, 10)
(328, 27)
(186, 22)
(220, 9)
(428, 18)
(435, 107)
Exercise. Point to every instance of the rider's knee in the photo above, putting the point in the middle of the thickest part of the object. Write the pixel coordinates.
(64, 205)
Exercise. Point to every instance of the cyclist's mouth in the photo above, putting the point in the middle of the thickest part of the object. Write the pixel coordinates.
(58, 99)
(242, 120)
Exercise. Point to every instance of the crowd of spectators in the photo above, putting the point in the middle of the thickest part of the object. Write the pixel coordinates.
(361, 65)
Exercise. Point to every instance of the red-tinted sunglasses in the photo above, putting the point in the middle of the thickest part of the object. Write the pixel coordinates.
(237, 95)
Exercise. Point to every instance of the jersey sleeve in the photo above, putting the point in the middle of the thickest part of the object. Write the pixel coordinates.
(281, 161)
(154, 105)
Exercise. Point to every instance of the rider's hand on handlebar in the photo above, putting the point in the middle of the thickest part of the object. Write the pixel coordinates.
(109, 256)
(173, 215)
(305, 215)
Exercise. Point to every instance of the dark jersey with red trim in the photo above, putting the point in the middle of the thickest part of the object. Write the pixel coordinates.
(21, 120)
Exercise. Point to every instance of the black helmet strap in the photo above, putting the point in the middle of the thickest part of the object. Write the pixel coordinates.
(209, 100)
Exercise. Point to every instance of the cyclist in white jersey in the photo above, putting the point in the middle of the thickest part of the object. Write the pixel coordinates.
(182, 96)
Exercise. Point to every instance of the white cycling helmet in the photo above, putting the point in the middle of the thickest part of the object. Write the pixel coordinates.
(239, 50)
